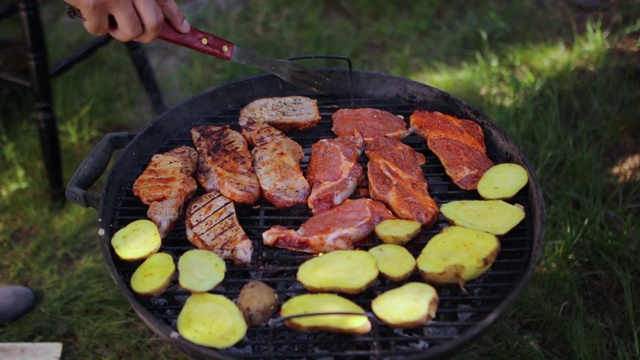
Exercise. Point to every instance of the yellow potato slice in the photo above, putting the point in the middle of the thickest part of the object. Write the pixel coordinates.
(456, 255)
(493, 216)
(136, 241)
(411, 305)
(154, 275)
(395, 262)
(211, 320)
(325, 304)
(343, 271)
(502, 181)
(200, 270)
(397, 231)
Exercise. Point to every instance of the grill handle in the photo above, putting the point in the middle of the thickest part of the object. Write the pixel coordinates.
(92, 167)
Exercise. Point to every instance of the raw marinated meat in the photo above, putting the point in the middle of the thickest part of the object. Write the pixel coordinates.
(369, 123)
(458, 143)
(396, 179)
(335, 229)
(333, 171)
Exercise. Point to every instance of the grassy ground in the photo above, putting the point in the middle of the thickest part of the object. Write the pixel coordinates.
(561, 80)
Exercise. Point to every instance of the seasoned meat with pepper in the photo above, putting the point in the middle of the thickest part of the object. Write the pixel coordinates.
(283, 113)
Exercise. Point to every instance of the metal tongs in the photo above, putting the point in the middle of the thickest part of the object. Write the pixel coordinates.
(223, 49)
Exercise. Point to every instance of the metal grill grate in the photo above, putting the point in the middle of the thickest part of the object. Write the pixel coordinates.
(457, 311)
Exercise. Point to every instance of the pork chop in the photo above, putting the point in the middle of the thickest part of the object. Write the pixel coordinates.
(458, 143)
(283, 113)
(369, 123)
(276, 161)
(166, 184)
(396, 179)
(333, 171)
(225, 163)
(211, 224)
(335, 229)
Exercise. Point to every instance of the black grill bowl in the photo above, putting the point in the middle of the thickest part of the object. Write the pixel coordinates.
(460, 318)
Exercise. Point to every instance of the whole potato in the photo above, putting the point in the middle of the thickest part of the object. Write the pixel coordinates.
(258, 302)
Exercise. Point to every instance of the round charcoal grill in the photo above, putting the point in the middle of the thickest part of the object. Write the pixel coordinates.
(461, 317)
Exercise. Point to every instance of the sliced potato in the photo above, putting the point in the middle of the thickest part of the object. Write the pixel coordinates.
(136, 241)
(397, 231)
(456, 255)
(154, 275)
(200, 270)
(493, 216)
(395, 262)
(258, 302)
(502, 181)
(343, 271)
(325, 304)
(211, 320)
(412, 304)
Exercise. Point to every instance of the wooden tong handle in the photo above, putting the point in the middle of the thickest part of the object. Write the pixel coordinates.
(198, 40)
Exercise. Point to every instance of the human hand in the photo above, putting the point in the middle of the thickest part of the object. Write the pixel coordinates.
(125, 20)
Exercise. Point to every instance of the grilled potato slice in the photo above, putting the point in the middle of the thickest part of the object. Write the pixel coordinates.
(200, 270)
(258, 302)
(326, 305)
(457, 255)
(397, 231)
(395, 262)
(211, 320)
(493, 216)
(502, 181)
(343, 271)
(136, 241)
(154, 275)
(410, 305)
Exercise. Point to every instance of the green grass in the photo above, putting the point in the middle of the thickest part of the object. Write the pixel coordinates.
(561, 82)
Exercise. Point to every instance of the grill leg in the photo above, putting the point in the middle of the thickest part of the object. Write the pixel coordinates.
(35, 47)
(146, 75)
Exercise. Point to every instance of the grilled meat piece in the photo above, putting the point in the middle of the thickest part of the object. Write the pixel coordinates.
(335, 229)
(211, 224)
(225, 163)
(396, 179)
(369, 123)
(333, 171)
(458, 143)
(166, 184)
(276, 161)
(283, 113)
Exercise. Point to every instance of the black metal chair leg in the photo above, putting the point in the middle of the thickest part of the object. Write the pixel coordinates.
(146, 75)
(35, 47)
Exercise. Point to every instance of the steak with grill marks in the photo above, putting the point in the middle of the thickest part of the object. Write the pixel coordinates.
(225, 163)
(335, 229)
(396, 179)
(333, 171)
(458, 143)
(276, 161)
(166, 184)
(211, 224)
(369, 123)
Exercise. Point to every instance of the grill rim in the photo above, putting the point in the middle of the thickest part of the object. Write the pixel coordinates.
(268, 85)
